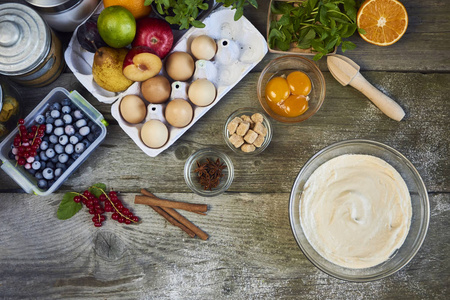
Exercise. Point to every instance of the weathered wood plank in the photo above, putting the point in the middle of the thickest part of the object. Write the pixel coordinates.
(251, 254)
(346, 114)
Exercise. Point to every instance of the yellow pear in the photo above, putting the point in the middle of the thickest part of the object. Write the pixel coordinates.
(107, 69)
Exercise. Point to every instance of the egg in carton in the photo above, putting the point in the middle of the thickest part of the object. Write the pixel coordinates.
(240, 47)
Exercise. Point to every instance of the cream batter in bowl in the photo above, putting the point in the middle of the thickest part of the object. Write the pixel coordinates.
(359, 210)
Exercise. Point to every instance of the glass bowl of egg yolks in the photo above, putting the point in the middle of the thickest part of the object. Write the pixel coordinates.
(291, 89)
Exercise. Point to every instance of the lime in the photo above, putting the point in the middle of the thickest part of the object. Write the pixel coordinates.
(117, 26)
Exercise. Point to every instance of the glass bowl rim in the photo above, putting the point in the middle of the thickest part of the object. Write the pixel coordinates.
(420, 236)
(309, 63)
(267, 139)
(201, 153)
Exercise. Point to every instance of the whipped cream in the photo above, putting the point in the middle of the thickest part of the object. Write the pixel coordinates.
(355, 210)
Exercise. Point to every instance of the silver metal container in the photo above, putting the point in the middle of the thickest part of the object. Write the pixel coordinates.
(30, 53)
(64, 15)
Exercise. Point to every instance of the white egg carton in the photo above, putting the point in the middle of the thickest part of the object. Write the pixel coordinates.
(240, 47)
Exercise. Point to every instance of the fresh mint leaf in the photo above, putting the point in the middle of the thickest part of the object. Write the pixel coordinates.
(347, 45)
(68, 208)
(197, 24)
(305, 43)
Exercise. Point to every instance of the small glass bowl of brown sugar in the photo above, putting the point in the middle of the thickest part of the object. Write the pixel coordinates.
(247, 131)
(208, 172)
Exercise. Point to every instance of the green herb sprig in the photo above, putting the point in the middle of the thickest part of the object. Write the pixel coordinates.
(318, 24)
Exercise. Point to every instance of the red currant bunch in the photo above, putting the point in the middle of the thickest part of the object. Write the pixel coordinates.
(105, 202)
(26, 143)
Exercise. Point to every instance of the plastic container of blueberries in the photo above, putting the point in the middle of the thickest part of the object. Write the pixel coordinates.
(27, 181)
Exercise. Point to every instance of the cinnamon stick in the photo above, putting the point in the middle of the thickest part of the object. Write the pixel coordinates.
(173, 221)
(178, 217)
(154, 201)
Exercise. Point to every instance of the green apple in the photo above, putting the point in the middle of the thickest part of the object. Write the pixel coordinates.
(117, 26)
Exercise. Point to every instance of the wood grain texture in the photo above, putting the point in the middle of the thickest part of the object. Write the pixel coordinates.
(251, 252)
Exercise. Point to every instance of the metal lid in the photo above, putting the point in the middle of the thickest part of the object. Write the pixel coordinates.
(24, 39)
(53, 6)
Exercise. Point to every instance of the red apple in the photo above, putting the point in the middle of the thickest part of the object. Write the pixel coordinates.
(155, 34)
(141, 63)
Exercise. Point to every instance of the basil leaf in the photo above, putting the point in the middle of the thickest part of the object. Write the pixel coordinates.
(198, 24)
(68, 208)
(239, 13)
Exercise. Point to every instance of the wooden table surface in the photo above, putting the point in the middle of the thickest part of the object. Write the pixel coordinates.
(251, 252)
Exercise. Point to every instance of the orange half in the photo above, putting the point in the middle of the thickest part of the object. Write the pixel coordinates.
(385, 21)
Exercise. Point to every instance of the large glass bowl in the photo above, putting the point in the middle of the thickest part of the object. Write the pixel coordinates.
(283, 66)
(419, 201)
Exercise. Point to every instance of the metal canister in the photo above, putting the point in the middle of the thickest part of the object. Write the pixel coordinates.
(64, 15)
(30, 53)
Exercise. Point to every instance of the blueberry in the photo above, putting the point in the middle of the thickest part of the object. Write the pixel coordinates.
(59, 148)
(80, 123)
(66, 109)
(50, 165)
(42, 183)
(32, 171)
(36, 165)
(69, 130)
(66, 101)
(45, 138)
(63, 139)
(50, 153)
(55, 114)
(78, 114)
(49, 120)
(91, 137)
(91, 124)
(70, 161)
(43, 156)
(58, 131)
(86, 143)
(38, 175)
(69, 149)
(54, 159)
(43, 165)
(67, 119)
(58, 172)
(37, 158)
(60, 165)
(58, 123)
(11, 155)
(79, 136)
(55, 106)
(47, 114)
(44, 145)
(40, 119)
(48, 128)
(84, 131)
(79, 148)
(63, 158)
(53, 139)
(74, 140)
(75, 156)
(51, 182)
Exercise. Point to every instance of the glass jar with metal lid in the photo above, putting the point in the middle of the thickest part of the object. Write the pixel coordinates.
(30, 53)
(64, 15)
(10, 107)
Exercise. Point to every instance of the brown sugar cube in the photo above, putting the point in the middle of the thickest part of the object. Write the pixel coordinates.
(233, 125)
(259, 141)
(260, 129)
(250, 137)
(246, 118)
(248, 148)
(243, 128)
(236, 140)
(257, 118)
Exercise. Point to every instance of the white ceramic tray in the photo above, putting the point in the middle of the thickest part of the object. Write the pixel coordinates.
(240, 47)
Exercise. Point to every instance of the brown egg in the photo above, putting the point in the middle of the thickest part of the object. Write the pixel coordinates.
(180, 66)
(154, 134)
(133, 109)
(202, 92)
(156, 89)
(179, 113)
(203, 47)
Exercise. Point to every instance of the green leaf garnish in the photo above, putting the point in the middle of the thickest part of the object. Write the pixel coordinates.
(97, 189)
(68, 208)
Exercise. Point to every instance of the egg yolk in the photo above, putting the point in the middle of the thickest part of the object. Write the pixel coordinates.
(295, 105)
(277, 89)
(299, 83)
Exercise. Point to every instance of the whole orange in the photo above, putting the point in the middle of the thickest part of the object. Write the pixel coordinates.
(136, 7)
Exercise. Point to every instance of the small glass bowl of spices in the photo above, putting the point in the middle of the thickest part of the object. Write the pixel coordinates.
(208, 172)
